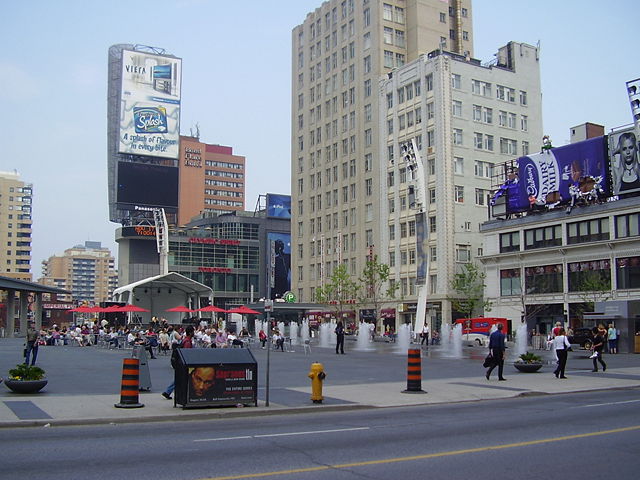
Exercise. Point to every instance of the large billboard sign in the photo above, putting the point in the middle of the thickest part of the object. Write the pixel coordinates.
(150, 105)
(279, 261)
(142, 186)
(624, 160)
(556, 176)
(278, 206)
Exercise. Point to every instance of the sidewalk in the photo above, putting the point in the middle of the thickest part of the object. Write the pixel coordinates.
(342, 390)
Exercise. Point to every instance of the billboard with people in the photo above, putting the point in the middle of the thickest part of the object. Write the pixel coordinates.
(625, 162)
(150, 104)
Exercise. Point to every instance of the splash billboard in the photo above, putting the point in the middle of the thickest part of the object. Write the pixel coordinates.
(624, 161)
(150, 104)
(555, 176)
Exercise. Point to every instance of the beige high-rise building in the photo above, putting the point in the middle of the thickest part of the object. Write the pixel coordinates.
(15, 226)
(88, 271)
(368, 77)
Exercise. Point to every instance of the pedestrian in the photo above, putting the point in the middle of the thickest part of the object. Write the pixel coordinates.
(598, 347)
(561, 346)
(31, 347)
(339, 331)
(425, 334)
(187, 342)
(372, 331)
(612, 339)
(263, 338)
(497, 346)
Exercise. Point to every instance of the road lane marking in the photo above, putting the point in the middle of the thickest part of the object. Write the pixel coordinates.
(426, 456)
(607, 404)
(287, 434)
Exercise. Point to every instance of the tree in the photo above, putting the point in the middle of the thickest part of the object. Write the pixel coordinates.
(469, 287)
(340, 291)
(593, 286)
(375, 287)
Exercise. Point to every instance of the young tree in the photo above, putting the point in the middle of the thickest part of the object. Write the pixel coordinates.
(469, 287)
(593, 286)
(339, 292)
(376, 289)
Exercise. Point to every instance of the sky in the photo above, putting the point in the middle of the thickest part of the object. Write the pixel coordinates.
(236, 84)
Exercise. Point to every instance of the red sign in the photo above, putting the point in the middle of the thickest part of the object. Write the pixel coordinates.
(214, 241)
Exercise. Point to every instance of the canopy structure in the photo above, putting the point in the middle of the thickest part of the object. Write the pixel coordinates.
(161, 293)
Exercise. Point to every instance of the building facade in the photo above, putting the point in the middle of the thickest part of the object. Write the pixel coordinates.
(211, 180)
(549, 267)
(87, 271)
(363, 84)
(15, 226)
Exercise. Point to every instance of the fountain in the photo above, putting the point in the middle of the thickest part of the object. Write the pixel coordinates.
(293, 333)
(521, 339)
(363, 342)
(325, 334)
(281, 328)
(451, 341)
(403, 339)
(304, 334)
(456, 341)
(445, 336)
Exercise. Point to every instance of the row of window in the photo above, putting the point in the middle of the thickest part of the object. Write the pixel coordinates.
(217, 173)
(214, 255)
(592, 276)
(215, 163)
(584, 231)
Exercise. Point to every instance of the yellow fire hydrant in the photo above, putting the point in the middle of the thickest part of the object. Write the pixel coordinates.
(316, 375)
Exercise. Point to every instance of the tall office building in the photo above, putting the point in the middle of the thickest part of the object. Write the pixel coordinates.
(15, 226)
(367, 77)
(88, 271)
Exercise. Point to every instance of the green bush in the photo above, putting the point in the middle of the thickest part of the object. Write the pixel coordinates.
(26, 372)
(530, 358)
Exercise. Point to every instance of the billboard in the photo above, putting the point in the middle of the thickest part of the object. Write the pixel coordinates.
(556, 177)
(624, 161)
(146, 185)
(279, 260)
(278, 206)
(150, 104)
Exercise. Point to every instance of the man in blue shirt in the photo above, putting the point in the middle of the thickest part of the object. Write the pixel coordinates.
(497, 346)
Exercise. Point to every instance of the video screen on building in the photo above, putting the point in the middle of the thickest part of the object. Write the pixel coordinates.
(624, 161)
(150, 105)
(279, 260)
(144, 185)
(278, 206)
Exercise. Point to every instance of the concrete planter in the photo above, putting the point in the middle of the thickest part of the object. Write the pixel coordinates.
(527, 367)
(25, 386)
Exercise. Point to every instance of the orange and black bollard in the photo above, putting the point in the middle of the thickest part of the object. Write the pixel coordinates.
(130, 384)
(414, 372)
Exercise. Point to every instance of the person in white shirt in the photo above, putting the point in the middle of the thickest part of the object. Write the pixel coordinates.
(425, 334)
(561, 346)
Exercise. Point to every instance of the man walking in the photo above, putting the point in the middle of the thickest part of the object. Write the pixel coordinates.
(31, 349)
(497, 346)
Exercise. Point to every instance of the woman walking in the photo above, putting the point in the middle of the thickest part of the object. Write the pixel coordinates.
(598, 347)
(561, 346)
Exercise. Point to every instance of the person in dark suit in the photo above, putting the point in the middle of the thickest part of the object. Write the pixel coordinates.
(497, 346)
(340, 337)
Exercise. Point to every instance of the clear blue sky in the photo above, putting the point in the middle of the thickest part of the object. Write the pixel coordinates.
(236, 86)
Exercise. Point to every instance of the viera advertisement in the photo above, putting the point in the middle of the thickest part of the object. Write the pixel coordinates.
(279, 251)
(150, 104)
(278, 206)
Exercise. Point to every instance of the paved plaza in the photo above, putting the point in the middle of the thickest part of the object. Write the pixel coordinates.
(84, 382)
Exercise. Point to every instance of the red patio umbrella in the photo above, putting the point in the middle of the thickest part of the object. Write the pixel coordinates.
(111, 309)
(180, 308)
(95, 309)
(244, 311)
(211, 308)
(132, 308)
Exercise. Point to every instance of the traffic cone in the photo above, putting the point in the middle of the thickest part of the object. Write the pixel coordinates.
(130, 384)
(414, 372)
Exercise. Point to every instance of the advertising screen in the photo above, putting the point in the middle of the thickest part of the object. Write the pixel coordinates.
(222, 384)
(279, 251)
(147, 185)
(150, 105)
(624, 161)
(278, 205)
(548, 178)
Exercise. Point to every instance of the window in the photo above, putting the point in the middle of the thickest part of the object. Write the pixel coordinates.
(458, 165)
(368, 212)
(412, 228)
(443, 17)
(387, 12)
(456, 81)
(459, 194)
(457, 136)
(479, 87)
(525, 147)
(430, 110)
(388, 59)
(401, 122)
(368, 138)
(432, 195)
(389, 100)
(403, 230)
(368, 162)
(388, 35)
(627, 225)
(392, 232)
(588, 231)
(367, 64)
(524, 123)
(509, 242)
(481, 196)
(589, 276)
(399, 15)
(429, 82)
(628, 272)
(456, 108)
(543, 237)
(482, 141)
(433, 253)
(483, 169)
(508, 146)
(368, 187)
(523, 98)
(463, 253)
(432, 224)
(510, 283)
(543, 279)
(367, 88)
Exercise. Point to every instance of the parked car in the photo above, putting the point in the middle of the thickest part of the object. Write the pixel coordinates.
(582, 337)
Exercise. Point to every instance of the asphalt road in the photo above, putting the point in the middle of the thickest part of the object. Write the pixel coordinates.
(574, 436)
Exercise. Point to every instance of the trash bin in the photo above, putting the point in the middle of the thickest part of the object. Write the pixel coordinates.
(140, 353)
(208, 377)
